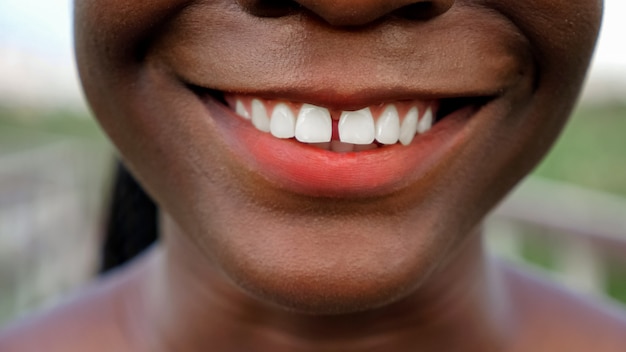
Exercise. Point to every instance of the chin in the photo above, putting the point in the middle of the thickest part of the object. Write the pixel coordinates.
(330, 288)
(338, 267)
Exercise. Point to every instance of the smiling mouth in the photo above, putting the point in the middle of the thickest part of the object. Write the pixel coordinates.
(342, 131)
(341, 147)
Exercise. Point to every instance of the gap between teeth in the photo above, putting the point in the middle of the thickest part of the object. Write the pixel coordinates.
(358, 130)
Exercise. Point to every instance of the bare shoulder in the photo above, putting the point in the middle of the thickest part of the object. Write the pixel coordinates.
(93, 320)
(553, 318)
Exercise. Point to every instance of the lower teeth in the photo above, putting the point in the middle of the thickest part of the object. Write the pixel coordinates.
(341, 147)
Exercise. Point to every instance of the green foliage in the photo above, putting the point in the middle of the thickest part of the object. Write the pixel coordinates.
(26, 128)
(592, 150)
(537, 251)
(616, 280)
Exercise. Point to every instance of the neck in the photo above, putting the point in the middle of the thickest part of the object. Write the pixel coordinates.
(190, 306)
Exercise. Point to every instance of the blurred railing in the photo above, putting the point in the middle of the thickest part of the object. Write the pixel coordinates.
(580, 234)
(49, 210)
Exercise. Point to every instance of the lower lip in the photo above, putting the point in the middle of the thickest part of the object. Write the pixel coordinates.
(303, 169)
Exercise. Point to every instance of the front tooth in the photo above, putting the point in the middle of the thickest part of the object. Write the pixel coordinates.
(240, 109)
(283, 122)
(314, 124)
(408, 127)
(426, 121)
(388, 126)
(259, 116)
(357, 127)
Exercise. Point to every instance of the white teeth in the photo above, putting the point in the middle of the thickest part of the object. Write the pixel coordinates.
(425, 122)
(408, 127)
(341, 147)
(259, 116)
(240, 109)
(357, 127)
(358, 130)
(388, 126)
(314, 124)
(283, 122)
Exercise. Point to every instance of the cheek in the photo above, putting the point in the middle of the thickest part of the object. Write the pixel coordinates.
(122, 23)
(111, 38)
(562, 32)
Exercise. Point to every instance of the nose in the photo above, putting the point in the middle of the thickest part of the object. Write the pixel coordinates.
(351, 12)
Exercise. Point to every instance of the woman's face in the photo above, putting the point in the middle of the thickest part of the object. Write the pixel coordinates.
(296, 221)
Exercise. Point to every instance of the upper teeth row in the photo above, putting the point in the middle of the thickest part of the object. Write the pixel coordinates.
(313, 124)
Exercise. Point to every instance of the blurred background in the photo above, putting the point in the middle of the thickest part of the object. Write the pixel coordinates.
(568, 220)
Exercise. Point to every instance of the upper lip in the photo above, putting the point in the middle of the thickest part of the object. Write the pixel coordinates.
(344, 72)
(356, 99)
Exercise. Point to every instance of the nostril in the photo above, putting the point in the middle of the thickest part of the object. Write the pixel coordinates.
(423, 10)
(415, 11)
(269, 8)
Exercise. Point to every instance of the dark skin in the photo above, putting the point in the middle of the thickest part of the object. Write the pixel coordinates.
(253, 261)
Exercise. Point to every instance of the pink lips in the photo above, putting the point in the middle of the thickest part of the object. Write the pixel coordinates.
(304, 169)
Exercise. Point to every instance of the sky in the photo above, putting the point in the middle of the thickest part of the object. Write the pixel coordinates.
(41, 26)
(35, 39)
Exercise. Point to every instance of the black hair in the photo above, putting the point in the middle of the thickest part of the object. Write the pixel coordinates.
(132, 224)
